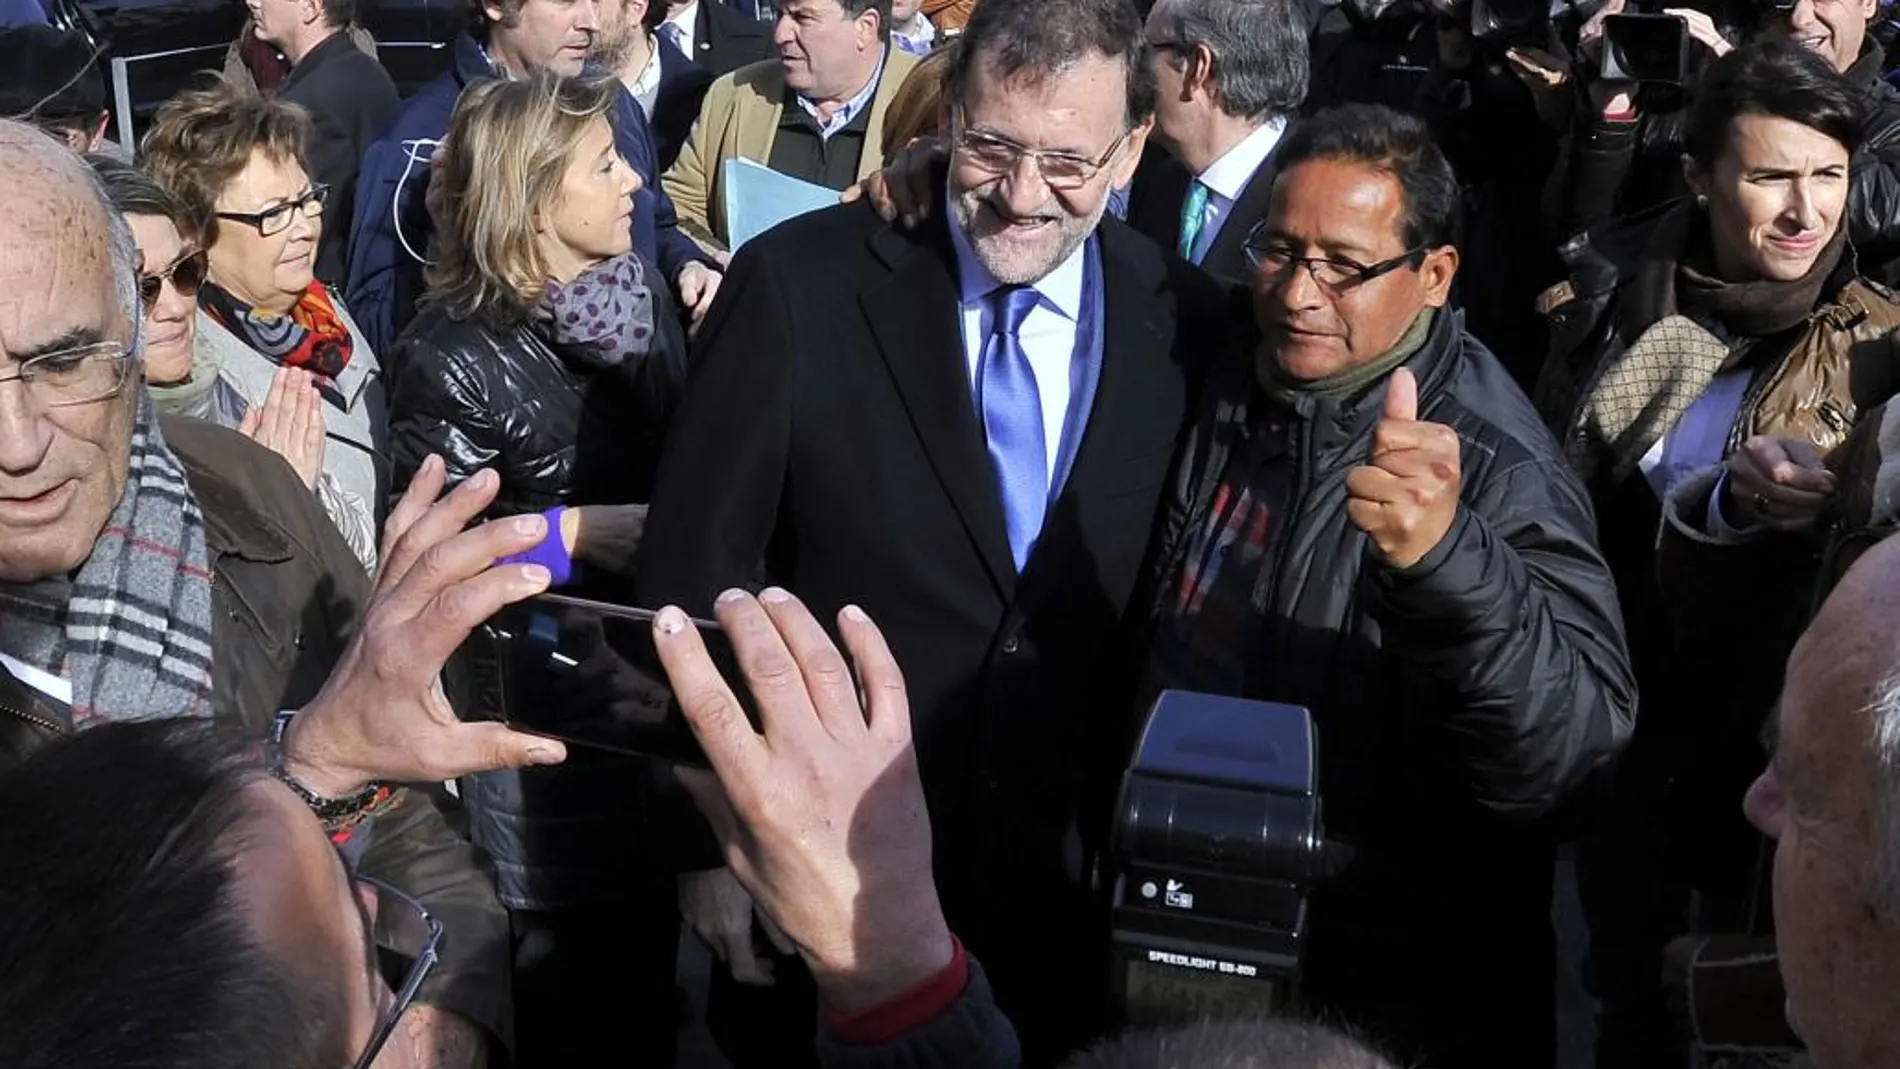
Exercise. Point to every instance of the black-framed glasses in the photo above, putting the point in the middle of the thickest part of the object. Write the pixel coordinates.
(1059, 170)
(1276, 263)
(276, 219)
(406, 931)
(76, 376)
(186, 274)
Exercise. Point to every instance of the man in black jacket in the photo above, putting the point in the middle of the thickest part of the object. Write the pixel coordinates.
(349, 97)
(1371, 522)
(860, 419)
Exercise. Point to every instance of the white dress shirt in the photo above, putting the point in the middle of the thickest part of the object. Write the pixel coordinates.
(54, 687)
(646, 88)
(1226, 179)
(1048, 334)
(687, 19)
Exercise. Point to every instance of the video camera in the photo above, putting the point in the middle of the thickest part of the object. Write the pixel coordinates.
(1217, 842)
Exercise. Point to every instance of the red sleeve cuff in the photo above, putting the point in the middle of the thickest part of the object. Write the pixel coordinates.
(914, 1008)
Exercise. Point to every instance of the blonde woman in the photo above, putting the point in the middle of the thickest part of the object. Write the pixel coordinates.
(547, 350)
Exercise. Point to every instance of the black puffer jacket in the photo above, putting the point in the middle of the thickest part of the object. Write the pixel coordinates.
(1461, 704)
(558, 431)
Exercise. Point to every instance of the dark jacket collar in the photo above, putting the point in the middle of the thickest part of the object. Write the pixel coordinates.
(1335, 422)
(233, 526)
(337, 44)
(471, 60)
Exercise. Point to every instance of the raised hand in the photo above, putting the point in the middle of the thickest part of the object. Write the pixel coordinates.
(290, 423)
(1405, 497)
(382, 714)
(822, 812)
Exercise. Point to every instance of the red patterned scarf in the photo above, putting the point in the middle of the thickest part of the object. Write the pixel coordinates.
(313, 336)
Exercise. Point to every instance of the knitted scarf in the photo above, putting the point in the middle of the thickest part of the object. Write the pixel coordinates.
(131, 629)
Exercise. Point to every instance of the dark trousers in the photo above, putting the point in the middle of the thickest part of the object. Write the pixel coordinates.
(595, 985)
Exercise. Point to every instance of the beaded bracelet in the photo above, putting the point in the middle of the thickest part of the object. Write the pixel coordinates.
(338, 815)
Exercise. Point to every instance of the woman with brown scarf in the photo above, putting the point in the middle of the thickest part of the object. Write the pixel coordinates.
(1706, 355)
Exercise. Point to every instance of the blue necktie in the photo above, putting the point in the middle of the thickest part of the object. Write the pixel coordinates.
(1012, 420)
(673, 35)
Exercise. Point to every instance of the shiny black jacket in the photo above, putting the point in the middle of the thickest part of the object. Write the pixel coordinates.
(558, 430)
(1463, 704)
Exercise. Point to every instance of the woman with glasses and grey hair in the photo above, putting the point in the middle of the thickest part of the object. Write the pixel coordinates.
(234, 161)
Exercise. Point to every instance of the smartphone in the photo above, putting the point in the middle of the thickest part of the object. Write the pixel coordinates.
(587, 673)
(1646, 48)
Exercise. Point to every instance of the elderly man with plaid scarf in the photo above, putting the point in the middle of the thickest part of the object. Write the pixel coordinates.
(156, 568)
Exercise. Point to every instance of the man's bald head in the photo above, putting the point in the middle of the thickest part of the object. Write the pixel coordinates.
(1830, 799)
(69, 300)
(57, 200)
(1852, 649)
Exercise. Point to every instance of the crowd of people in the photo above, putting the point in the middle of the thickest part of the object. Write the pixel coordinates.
(1401, 360)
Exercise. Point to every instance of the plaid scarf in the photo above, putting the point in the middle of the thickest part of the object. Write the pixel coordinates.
(131, 629)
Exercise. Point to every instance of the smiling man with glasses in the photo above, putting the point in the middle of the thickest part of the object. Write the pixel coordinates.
(1371, 522)
(964, 427)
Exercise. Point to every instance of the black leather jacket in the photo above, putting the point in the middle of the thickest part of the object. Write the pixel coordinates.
(558, 430)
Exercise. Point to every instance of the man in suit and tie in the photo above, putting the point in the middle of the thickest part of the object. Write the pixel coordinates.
(716, 36)
(964, 429)
(1231, 74)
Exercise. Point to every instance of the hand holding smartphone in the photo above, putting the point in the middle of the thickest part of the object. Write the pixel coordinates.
(586, 673)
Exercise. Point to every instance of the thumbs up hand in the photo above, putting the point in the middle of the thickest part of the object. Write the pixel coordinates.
(1406, 497)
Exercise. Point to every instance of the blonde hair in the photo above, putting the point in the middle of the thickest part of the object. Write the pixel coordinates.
(202, 139)
(917, 106)
(507, 154)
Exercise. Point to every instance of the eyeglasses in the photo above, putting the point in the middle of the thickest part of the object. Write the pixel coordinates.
(1276, 263)
(276, 219)
(75, 376)
(407, 931)
(185, 274)
(1059, 170)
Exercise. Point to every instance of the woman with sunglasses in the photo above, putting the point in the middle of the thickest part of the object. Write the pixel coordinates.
(234, 161)
(289, 422)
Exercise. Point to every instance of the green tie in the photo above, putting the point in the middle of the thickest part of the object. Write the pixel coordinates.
(1193, 218)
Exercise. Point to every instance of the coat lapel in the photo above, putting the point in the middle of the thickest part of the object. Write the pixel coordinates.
(913, 315)
(1227, 256)
(1136, 332)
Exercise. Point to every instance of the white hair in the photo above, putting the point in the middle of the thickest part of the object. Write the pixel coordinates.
(1884, 716)
(124, 250)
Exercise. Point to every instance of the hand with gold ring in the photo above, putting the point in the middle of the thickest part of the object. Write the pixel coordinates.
(1779, 483)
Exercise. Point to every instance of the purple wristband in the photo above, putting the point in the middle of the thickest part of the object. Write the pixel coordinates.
(550, 553)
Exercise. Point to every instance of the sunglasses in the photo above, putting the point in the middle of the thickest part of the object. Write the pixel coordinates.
(185, 274)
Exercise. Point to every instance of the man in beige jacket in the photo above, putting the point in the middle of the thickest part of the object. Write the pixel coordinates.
(813, 113)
